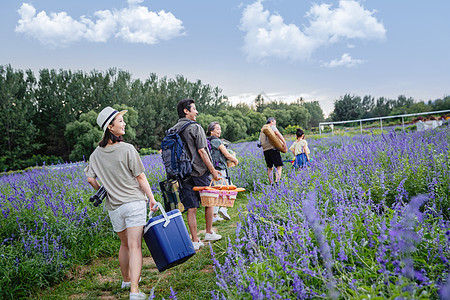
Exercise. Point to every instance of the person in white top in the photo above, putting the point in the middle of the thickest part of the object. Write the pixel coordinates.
(300, 150)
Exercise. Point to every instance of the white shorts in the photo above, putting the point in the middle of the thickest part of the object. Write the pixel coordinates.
(131, 214)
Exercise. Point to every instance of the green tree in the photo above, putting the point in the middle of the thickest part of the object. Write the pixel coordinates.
(441, 104)
(16, 117)
(418, 107)
(204, 120)
(383, 107)
(55, 110)
(347, 108)
(315, 112)
(283, 117)
(259, 103)
(367, 106)
(234, 124)
(255, 121)
(301, 115)
(401, 106)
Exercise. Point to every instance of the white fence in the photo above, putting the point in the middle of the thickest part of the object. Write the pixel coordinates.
(425, 124)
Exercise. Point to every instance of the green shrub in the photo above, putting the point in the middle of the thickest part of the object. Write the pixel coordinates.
(147, 151)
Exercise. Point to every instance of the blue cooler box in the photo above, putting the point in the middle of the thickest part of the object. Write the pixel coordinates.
(167, 239)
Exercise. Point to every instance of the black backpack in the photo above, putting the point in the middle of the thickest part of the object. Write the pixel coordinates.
(174, 156)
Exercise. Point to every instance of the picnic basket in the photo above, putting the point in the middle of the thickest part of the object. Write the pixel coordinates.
(218, 194)
(227, 198)
(209, 197)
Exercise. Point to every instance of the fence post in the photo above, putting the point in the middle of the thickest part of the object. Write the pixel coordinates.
(381, 124)
(360, 124)
(403, 124)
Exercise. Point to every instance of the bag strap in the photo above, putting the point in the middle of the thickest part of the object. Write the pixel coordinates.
(186, 124)
(211, 138)
(165, 216)
(183, 127)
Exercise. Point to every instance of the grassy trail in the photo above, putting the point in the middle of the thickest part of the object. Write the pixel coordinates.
(193, 279)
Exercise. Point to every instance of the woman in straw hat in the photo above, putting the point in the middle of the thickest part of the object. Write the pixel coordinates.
(120, 169)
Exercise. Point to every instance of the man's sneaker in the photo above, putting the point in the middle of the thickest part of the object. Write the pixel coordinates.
(197, 245)
(216, 219)
(212, 236)
(138, 296)
(224, 213)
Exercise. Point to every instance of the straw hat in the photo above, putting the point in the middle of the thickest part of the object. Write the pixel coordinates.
(106, 116)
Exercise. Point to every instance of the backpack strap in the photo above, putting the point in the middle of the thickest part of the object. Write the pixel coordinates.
(186, 124)
(183, 127)
(212, 137)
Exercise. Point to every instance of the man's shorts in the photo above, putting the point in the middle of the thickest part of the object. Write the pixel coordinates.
(189, 197)
(131, 214)
(273, 157)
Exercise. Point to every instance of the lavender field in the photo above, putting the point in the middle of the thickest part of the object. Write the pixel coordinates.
(368, 218)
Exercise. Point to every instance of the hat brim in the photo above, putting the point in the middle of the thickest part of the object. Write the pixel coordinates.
(122, 112)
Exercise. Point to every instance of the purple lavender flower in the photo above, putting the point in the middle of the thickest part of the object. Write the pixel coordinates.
(444, 290)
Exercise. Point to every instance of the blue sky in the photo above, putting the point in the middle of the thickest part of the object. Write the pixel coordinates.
(318, 50)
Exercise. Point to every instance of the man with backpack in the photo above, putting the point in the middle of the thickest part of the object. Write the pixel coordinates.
(196, 147)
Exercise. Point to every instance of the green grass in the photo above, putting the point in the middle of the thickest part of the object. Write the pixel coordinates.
(194, 279)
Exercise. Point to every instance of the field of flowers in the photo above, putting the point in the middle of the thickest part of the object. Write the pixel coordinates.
(48, 225)
(368, 218)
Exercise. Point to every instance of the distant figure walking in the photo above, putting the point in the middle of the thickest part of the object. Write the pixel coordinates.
(271, 154)
(300, 150)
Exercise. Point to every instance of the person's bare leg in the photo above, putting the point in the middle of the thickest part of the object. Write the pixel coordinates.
(192, 223)
(278, 174)
(135, 252)
(209, 212)
(270, 174)
(124, 256)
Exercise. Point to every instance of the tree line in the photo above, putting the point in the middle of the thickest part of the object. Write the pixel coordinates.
(352, 107)
(51, 117)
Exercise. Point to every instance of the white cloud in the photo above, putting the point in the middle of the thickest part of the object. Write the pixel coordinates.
(102, 29)
(138, 25)
(134, 24)
(58, 28)
(350, 20)
(345, 60)
(266, 34)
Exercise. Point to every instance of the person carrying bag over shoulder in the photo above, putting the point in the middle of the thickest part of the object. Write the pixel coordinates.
(203, 171)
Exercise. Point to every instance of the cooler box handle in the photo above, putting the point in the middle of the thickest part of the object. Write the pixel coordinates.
(165, 216)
